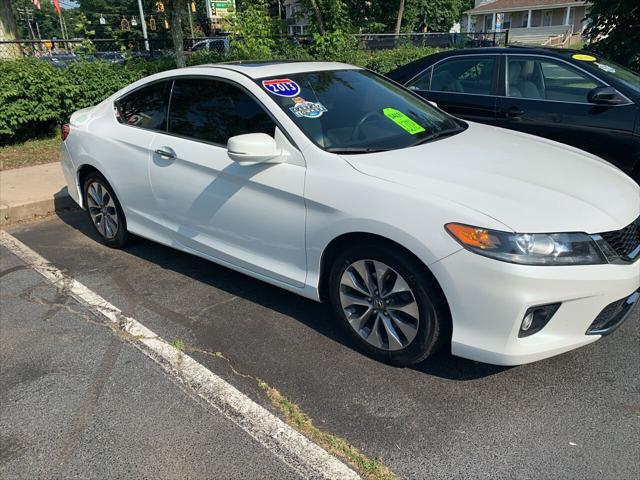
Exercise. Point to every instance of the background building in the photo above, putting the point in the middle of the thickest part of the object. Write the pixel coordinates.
(297, 21)
(528, 21)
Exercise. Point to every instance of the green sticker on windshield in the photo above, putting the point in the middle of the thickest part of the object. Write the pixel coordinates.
(402, 121)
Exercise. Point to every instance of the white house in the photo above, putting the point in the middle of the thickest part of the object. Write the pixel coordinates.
(528, 18)
(297, 22)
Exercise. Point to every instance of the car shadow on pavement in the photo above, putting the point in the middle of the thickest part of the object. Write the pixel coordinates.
(312, 314)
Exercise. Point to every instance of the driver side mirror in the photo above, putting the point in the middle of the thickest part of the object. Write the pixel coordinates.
(252, 148)
(604, 96)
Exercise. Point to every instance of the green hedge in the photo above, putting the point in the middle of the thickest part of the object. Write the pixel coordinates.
(35, 97)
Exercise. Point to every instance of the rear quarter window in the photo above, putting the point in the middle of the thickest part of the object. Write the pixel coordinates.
(145, 107)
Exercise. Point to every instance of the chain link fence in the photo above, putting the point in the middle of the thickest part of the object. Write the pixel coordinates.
(440, 40)
(62, 52)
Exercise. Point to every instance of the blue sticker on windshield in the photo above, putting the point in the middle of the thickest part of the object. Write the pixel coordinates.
(302, 108)
(282, 86)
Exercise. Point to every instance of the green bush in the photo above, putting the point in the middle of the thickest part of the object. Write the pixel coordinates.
(384, 61)
(31, 98)
(36, 97)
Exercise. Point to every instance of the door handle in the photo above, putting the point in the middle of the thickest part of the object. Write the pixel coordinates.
(514, 112)
(166, 152)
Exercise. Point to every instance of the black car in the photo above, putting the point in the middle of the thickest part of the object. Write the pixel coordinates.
(570, 96)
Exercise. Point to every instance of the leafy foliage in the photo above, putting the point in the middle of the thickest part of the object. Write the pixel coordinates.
(36, 97)
(432, 15)
(381, 15)
(335, 15)
(615, 31)
(255, 29)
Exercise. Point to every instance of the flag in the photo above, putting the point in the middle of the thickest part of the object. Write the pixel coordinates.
(37, 4)
(56, 5)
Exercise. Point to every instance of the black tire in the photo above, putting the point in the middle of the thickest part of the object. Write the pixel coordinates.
(433, 326)
(121, 236)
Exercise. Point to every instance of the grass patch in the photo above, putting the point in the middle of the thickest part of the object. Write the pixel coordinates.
(372, 469)
(32, 152)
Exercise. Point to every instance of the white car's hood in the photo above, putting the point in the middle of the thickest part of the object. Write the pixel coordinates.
(528, 183)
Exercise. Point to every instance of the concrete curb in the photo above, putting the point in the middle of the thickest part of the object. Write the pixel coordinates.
(10, 214)
(29, 193)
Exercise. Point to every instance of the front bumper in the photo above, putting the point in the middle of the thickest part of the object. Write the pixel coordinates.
(488, 300)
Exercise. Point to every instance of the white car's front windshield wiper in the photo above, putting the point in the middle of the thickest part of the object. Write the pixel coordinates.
(440, 134)
(348, 150)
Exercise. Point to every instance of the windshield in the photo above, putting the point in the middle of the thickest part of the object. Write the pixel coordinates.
(629, 78)
(356, 111)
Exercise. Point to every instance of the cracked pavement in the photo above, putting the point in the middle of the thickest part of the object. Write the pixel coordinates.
(575, 416)
(76, 401)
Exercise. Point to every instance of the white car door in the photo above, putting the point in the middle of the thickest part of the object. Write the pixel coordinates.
(125, 152)
(251, 216)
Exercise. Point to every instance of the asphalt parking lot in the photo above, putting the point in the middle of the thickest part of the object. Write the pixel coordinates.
(572, 416)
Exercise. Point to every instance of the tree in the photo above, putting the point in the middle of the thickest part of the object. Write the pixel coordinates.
(432, 15)
(255, 31)
(318, 16)
(176, 9)
(328, 15)
(614, 31)
(399, 19)
(8, 30)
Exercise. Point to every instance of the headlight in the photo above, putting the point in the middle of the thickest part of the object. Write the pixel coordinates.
(528, 248)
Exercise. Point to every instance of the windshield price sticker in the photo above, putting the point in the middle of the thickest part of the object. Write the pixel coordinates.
(402, 121)
(606, 68)
(282, 87)
(302, 108)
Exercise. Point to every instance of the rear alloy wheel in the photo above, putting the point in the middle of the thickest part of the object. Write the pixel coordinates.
(104, 211)
(387, 304)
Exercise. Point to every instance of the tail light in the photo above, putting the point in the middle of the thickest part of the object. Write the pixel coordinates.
(64, 131)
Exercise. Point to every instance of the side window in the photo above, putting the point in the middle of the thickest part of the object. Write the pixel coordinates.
(547, 80)
(146, 107)
(422, 81)
(213, 111)
(464, 75)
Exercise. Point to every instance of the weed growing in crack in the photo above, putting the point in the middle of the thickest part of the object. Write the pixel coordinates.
(372, 469)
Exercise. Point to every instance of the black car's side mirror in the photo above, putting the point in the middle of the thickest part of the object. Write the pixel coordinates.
(604, 96)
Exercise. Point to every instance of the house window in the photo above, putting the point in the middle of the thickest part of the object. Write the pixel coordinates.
(506, 21)
(525, 19)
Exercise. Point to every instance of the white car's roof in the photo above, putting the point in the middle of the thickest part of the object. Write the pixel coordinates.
(272, 68)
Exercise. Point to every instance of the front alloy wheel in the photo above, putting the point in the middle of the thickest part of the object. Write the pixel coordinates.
(388, 303)
(379, 304)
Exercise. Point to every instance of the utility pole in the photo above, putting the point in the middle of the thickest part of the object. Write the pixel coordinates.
(207, 4)
(26, 15)
(62, 27)
(144, 26)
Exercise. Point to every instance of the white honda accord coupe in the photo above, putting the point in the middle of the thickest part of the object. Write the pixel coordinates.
(334, 183)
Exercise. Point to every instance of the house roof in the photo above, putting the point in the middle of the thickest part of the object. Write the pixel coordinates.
(510, 5)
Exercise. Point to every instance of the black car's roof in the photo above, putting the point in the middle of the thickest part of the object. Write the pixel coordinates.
(407, 71)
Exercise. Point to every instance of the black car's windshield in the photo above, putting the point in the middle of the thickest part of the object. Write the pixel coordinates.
(629, 78)
(356, 111)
